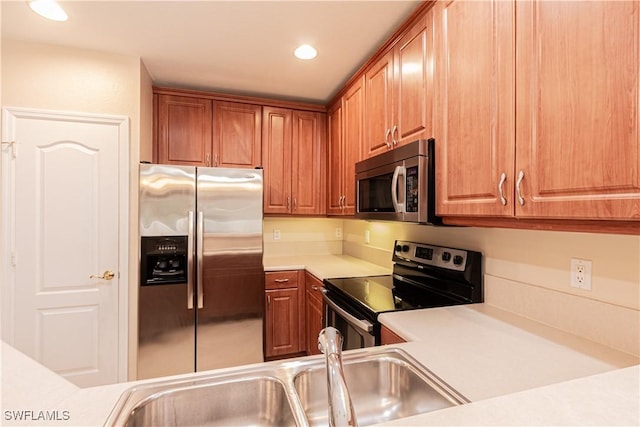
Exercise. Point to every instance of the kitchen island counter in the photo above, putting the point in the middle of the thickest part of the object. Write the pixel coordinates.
(514, 371)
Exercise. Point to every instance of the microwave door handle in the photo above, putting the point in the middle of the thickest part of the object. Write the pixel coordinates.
(397, 206)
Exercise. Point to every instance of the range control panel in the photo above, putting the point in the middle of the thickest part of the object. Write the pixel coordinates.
(438, 256)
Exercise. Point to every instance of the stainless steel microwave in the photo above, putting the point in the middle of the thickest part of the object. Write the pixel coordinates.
(398, 185)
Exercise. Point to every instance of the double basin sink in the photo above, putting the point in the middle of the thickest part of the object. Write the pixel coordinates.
(384, 384)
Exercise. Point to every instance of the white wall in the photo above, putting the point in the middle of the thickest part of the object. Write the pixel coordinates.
(58, 78)
(302, 236)
(527, 272)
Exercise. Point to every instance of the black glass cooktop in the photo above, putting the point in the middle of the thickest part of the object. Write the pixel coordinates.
(378, 294)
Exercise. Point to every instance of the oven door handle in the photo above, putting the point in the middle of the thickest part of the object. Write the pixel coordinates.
(363, 325)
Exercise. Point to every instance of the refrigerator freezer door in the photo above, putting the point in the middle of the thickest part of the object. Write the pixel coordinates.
(230, 322)
(166, 317)
(167, 194)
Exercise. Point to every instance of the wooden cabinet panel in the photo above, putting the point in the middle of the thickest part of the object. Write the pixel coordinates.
(346, 133)
(399, 91)
(474, 106)
(334, 166)
(379, 107)
(352, 142)
(413, 83)
(387, 336)
(282, 322)
(237, 135)
(577, 109)
(276, 138)
(294, 151)
(183, 130)
(308, 155)
(314, 319)
(284, 313)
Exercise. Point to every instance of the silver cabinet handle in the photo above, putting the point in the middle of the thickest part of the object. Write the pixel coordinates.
(281, 280)
(288, 202)
(215, 160)
(200, 250)
(387, 135)
(190, 269)
(268, 301)
(503, 178)
(295, 204)
(518, 189)
(314, 287)
(393, 135)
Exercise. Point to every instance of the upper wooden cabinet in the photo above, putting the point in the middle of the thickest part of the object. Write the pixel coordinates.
(474, 106)
(345, 133)
(294, 152)
(399, 90)
(237, 135)
(551, 133)
(577, 112)
(200, 132)
(184, 130)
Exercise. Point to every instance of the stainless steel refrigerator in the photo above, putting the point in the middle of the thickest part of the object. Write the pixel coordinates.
(201, 290)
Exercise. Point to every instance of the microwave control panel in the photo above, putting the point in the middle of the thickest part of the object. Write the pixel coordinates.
(412, 187)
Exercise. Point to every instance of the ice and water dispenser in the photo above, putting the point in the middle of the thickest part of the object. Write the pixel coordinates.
(163, 260)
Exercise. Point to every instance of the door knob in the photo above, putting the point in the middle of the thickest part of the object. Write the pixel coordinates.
(107, 275)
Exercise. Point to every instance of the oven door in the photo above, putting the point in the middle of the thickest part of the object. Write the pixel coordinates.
(356, 333)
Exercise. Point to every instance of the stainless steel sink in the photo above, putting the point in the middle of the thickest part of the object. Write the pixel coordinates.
(384, 384)
(383, 387)
(255, 401)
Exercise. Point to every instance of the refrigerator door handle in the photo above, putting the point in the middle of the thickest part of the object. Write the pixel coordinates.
(190, 269)
(200, 249)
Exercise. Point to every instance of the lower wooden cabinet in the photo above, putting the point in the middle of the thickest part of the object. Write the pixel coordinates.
(314, 312)
(284, 314)
(387, 336)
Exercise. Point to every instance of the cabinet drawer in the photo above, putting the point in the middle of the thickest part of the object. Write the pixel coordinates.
(281, 279)
(313, 285)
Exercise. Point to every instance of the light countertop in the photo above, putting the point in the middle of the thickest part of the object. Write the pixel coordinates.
(325, 266)
(515, 371)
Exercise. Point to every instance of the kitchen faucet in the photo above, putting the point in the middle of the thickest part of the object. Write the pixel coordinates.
(341, 411)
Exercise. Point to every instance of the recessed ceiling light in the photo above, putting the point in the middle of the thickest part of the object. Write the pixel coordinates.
(49, 9)
(305, 52)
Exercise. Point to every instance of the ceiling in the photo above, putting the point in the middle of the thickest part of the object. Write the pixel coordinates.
(243, 47)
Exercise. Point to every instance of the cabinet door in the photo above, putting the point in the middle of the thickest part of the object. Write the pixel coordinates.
(276, 155)
(578, 113)
(184, 130)
(314, 319)
(474, 107)
(413, 83)
(353, 102)
(237, 135)
(378, 106)
(282, 322)
(334, 166)
(308, 163)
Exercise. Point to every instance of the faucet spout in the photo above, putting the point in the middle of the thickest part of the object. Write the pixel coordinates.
(341, 411)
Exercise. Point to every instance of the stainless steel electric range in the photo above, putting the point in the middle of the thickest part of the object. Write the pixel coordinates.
(424, 276)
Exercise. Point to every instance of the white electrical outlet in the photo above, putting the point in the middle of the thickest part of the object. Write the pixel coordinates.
(276, 234)
(339, 232)
(581, 274)
(367, 236)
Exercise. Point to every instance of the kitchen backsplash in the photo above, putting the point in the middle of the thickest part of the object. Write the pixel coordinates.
(302, 236)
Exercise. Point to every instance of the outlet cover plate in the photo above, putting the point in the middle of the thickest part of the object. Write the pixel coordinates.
(581, 274)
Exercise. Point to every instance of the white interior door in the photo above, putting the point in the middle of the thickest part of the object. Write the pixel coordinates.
(62, 224)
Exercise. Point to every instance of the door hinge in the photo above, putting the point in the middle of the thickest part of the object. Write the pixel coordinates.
(12, 145)
(14, 259)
